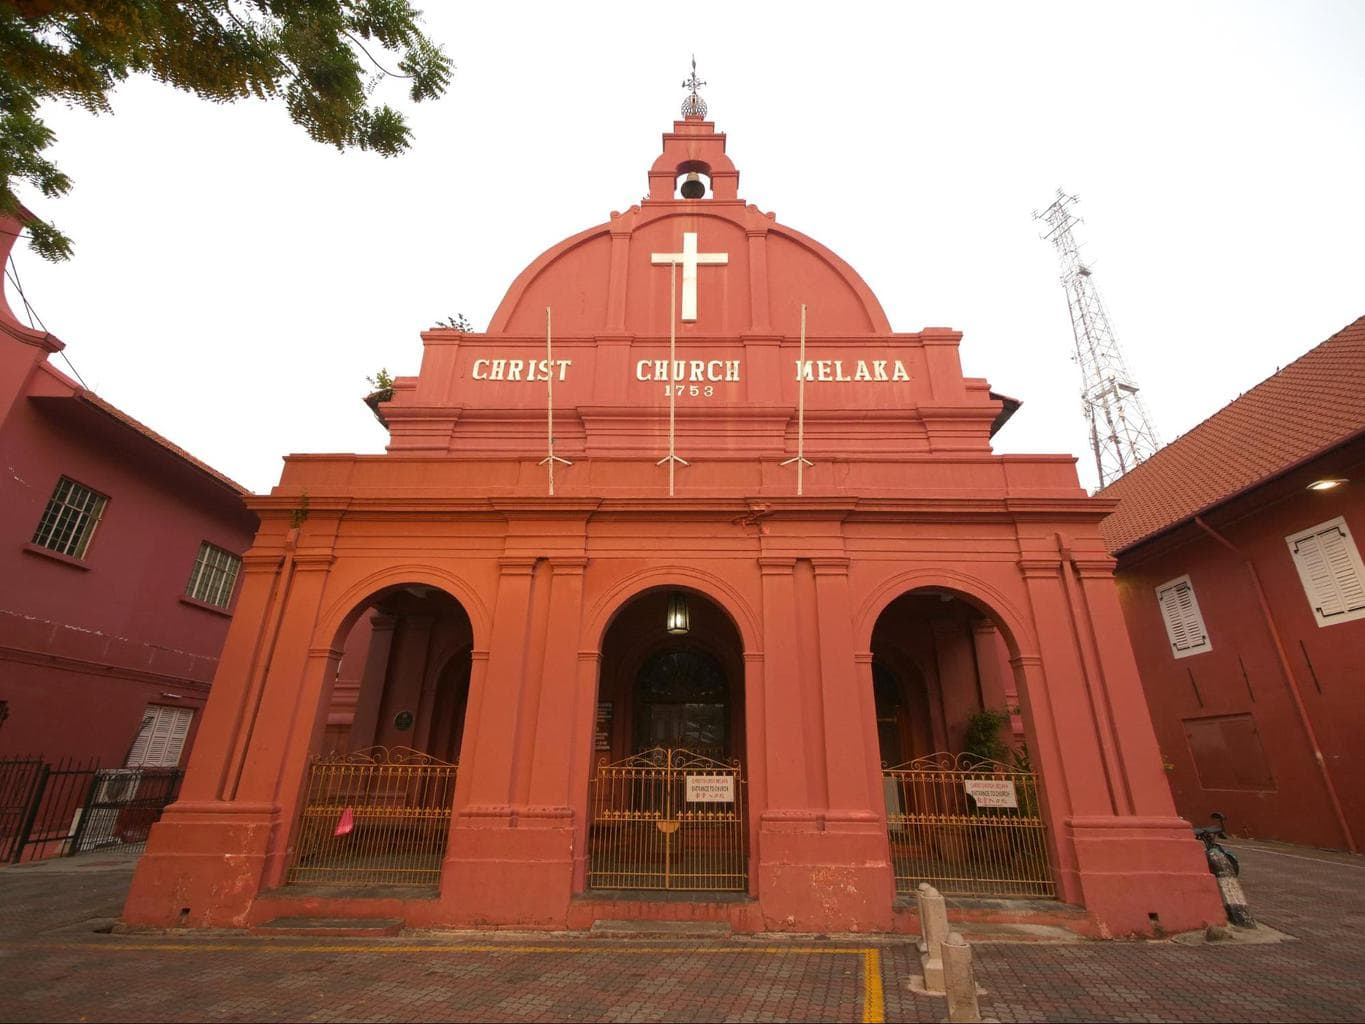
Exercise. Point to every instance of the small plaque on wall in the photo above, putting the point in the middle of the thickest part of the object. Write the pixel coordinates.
(991, 792)
(603, 741)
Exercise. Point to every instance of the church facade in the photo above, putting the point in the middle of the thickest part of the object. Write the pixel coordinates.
(688, 575)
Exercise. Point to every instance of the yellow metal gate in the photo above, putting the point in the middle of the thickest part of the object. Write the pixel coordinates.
(968, 827)
(374, 817)
(668, 819)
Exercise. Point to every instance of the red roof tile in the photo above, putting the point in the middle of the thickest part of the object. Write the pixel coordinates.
(1313, 404)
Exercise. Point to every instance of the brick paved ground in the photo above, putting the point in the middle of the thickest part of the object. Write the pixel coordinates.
(55, 964)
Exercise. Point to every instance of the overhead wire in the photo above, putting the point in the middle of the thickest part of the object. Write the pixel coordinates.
(12, 274)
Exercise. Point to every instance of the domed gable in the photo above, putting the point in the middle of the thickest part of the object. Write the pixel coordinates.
(680, 320)
(750, 274)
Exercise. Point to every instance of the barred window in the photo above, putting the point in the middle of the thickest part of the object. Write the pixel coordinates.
(70, 519)
(215, 572)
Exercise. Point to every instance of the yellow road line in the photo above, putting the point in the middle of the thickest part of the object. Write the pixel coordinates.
(874, 1003)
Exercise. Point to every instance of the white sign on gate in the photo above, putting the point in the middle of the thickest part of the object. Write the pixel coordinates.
(991, 792)
(710, 789)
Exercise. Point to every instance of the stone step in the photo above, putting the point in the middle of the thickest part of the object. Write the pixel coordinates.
(1003, 931)
(331, 927)
(661, 929)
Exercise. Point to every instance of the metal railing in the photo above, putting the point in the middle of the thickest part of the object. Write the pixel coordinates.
(70, 807)
(668, 819)
(122, 806)
(374, 817)
(968, 827)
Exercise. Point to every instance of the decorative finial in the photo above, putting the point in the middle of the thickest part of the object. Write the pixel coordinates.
(694, 105)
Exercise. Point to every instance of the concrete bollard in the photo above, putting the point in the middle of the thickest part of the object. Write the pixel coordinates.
(1234, 900)
(933, 926)
(960, 980)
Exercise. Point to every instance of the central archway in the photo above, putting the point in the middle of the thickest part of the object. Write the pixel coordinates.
(667, 800)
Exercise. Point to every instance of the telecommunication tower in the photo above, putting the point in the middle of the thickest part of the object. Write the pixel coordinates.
(1121, 432)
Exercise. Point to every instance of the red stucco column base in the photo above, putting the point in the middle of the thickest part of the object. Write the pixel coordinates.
(203, 866)
(831, 879)
(1132, 868)
(509, 871)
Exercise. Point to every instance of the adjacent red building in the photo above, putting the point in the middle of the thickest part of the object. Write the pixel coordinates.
(1239, 567)
(118, 564)
(690, 576)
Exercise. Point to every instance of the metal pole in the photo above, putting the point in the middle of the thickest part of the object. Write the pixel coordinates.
(26, 828)
(672, 457)
(551, 458)
(801, 411)
(549, 405)
(801, 460)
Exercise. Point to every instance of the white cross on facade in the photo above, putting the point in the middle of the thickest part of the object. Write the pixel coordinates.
(690, 259)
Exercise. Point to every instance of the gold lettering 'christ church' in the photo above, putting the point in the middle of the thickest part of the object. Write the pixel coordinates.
(863, 369)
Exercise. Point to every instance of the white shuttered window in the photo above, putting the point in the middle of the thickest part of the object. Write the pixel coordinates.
(161, 738)
(1329, 566)
(1184, 622)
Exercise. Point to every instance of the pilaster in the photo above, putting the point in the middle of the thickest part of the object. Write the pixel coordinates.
(510, 856)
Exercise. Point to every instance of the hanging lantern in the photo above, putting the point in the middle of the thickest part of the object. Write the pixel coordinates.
(678, 621)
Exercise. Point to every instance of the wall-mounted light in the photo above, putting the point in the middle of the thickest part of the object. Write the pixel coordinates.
(1327, 483)
(678, 621)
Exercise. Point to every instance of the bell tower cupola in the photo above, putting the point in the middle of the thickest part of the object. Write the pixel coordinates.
(694, 154)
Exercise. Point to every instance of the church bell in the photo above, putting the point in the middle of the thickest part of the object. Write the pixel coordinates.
(693, 187)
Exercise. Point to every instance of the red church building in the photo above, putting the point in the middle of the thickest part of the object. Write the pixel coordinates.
(1239, 567)
(118, 564)
(688, 576)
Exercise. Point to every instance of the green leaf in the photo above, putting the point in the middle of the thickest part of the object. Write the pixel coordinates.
(317, 57)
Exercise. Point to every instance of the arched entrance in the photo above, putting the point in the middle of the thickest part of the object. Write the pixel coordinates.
(381, 785)
(667, 795)
(962, 800)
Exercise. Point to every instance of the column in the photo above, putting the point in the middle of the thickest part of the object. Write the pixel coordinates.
(366, 721)
(959, 687)
(261, 726)
(489, 765)
(824, 862)
(554, 743)
(403, 687)
(509, 860)
(258, 603)
(846, 751)
(1124, 866)
(784, 733)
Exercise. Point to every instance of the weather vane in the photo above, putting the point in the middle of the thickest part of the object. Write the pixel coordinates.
(694, 105)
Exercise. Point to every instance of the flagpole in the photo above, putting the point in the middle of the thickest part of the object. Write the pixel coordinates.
(801, 460)
(551, 458)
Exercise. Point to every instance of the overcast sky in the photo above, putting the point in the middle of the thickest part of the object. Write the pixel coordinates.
(235, 283)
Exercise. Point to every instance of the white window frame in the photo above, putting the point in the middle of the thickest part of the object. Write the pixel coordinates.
(1330, 570)
(1185, 629)
(161, 737)
(69, 519)
(213, 577)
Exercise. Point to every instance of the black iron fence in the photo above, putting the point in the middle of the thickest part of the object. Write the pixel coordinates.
(71, 807)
